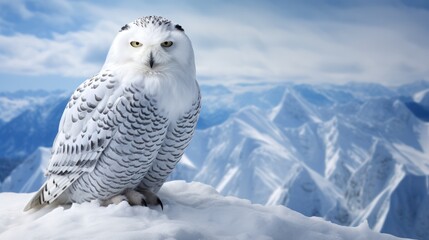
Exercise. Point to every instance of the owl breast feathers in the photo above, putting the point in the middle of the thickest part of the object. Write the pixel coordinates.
(124, 130)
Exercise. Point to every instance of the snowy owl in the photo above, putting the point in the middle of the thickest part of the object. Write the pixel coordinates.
(124, 130)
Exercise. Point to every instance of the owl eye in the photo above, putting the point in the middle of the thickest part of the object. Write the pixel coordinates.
(136, 44)
(167, 44)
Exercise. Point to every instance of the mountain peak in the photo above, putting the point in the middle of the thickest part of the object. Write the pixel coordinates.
(293, 111)
(30, 174)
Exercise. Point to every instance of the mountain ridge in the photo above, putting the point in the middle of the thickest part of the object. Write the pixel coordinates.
(341, 152)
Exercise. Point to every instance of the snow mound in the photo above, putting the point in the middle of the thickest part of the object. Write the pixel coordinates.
(192, 211)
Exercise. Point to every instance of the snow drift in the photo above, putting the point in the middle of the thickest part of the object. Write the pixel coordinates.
(192, 211)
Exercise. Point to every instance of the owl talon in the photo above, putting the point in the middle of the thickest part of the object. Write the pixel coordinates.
(150, 197)
(143, 198)
(160, 204)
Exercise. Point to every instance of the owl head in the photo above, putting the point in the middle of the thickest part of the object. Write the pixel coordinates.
(152, 46)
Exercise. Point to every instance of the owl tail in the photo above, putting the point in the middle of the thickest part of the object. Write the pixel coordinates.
(37, 201)
(51, 190)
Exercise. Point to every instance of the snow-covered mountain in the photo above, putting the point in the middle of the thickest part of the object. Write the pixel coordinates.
(29, 120)
(29, 175)
(347, 153)
(14, 103)
(340, 152)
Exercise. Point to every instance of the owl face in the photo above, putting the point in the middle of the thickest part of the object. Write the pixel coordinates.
(153, 45)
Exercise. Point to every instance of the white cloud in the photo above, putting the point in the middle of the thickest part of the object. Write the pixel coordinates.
(370, 43)
(64, 54)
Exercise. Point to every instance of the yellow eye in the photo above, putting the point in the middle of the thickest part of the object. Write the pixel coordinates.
(136, 44)
(167, 44)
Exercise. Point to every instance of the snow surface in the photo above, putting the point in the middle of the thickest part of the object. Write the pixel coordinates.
(192, 211)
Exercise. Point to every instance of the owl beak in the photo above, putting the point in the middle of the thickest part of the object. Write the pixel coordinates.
(151, 60)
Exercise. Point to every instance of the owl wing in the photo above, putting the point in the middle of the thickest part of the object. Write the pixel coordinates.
(177, 138)
(86, 128)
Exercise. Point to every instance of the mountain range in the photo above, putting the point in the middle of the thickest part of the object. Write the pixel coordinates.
(347, 153)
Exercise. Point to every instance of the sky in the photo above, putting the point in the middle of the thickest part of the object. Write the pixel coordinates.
(56, 44)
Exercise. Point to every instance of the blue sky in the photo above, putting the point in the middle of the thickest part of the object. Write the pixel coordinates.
(56, 44)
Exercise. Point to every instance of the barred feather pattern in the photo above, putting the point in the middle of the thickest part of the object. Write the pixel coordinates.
(176, 140)
(110, 140)
(141, 128)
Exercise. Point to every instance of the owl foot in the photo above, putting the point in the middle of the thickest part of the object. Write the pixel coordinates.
(143, 197)
(114, 200)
